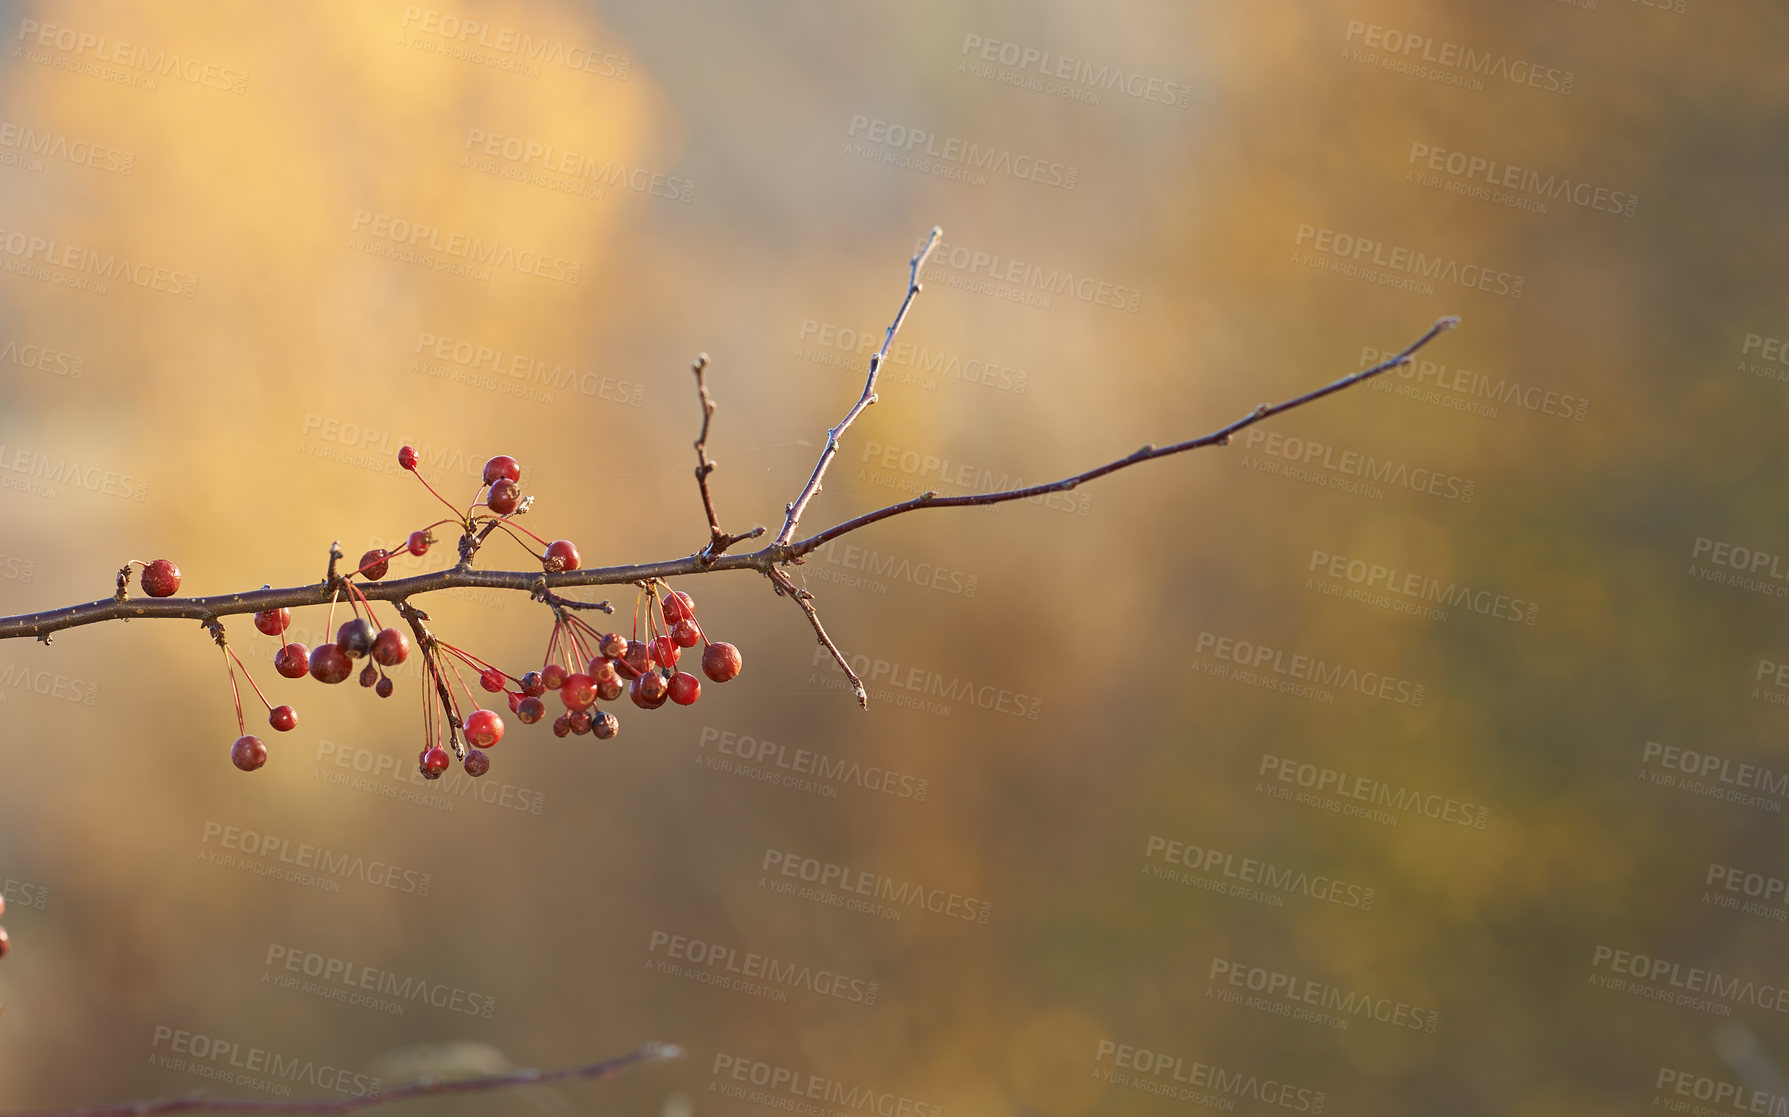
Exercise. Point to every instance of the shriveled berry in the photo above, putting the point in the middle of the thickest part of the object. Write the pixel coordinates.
(636, 662)
(383, 690)
(283, 718)
(391, 647)
(491, 679)
(436, 760)
(562, 725)
(330, 664)
(603, 724)
(161, 578)
(580, 721)
(532, 685)
(515, 700)
(419, 543)
(356, 637)
(614, 645)
(553, 676)
(248, 753)
(375, 563)
(369, 675)
(502, 467)
(407, 457)
(665, 651)
(679, 606)
(484, 728)
(531, 710)
(686, 633)
(684, 688)
(721, 661)
(649, 691)
(292, 660)
(477, 763)
(561, 555)
(504, 496)
(579, 692)
(272, 622)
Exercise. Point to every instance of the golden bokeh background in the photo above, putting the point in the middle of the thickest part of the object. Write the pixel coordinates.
(233, 398)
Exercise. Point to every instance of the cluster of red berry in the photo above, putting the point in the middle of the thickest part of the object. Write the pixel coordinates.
(581, 664)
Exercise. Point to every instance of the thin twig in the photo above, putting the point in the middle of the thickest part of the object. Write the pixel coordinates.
(718, 540)
(786, 588)
(800, 503)
(327, 1107)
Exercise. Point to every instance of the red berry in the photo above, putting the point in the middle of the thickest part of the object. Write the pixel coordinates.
(502, 467)
(561, 555)
(477, 763)
(375, 563)
(684, 688)
(515, 700)
(491, 679)
(562, 725)
(721, 662)
(604, 724)
(407, 457)
(436, 760)
(330, 664)
(504, 496)
(649, 691)
(283, 718)
(532, 686)
(679, 606)
(356, 637)
(553, 676)
(531, 710)
(292, 661)
(419, 543)
(383, 690)
(369, 675)
(613, 646)
(161, 578)
(248, 753)
(665, 651)
(685, 633)
(5, 943)
(580, 721)
(579, 692)
(272, 622)
(609, 689)
(636, 662)
(390, 648)
(602, 671)
(484, 728)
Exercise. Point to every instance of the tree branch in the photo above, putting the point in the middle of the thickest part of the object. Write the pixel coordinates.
(327, 1107)
(718, 540)
(786, 588)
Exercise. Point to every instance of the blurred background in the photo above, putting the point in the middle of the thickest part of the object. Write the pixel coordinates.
(1421, 751)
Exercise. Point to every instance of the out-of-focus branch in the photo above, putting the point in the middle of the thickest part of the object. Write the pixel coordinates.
(327, 1107)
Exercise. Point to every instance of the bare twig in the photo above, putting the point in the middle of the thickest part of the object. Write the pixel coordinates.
(800, 503)
(718, 540)
(785, 588)
(327, 1107)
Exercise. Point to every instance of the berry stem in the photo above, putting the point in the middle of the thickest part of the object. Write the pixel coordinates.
(250, 677)
(235, 694)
